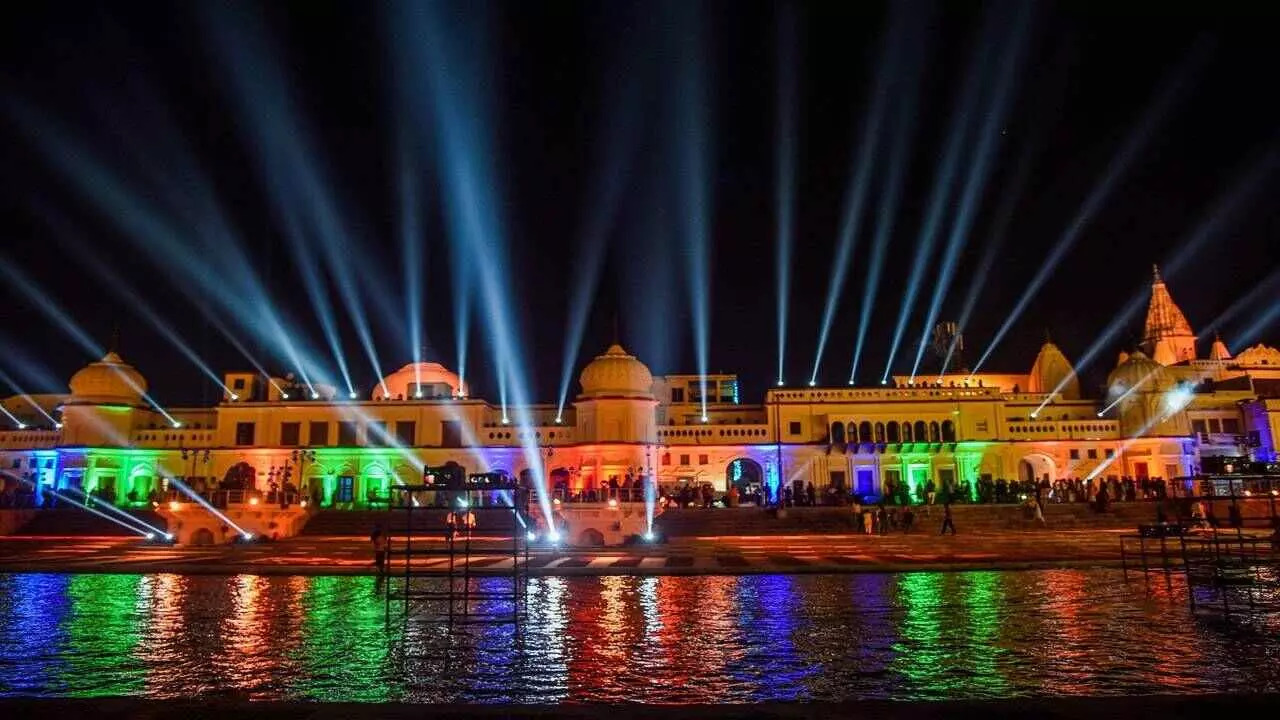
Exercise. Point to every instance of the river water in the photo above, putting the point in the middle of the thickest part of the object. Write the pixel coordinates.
(994, 634)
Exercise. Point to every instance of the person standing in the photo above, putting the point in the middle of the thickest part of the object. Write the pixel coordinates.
(947, 522)
(930, 491)
(381, 548)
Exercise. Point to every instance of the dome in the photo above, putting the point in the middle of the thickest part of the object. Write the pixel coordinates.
(110, 380)
(1137, 370)
(616, 373)
(1053, 372)
(420, 380)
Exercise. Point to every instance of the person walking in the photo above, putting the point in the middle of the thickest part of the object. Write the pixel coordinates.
(930, 491)
(947, 522)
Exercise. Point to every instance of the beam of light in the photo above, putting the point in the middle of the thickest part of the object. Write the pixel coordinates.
(62, 319)
(1142, 381)
(785, 158)
(692, 165)
(95, 263)
(614, 157)
(411, 248)
(1136, 141)
(860, 183)
(906, 99)
(299, 187)
(1174, 401)
(217, 267)
(1267, 288)
(199, 500)
(1226, 208)
(17, 390)
(16, 422)
(999, 230)
(1255, 329)
(443, 53)
(79, 505)
(939, 196)
(32, 373)
(975, 183)
(147, 528)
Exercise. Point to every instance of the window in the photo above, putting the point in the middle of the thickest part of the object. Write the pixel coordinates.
(981, 426)
(1214, 425)
(1075, 454)
(407, 433)
(864, 431)
(837, 433)
(289, 433)
(1093, 453)
(375, 434)
(666, 458)
(891, 431)
(244, 433)
(319, 433)
(346, 489)
(1110, 453)
(1198, 427)
(17, 463)
(238, 384)
(347, 433)
(1231, 425)
(684, 459)
(729, 391)
(948, 431)
(677, 395)
(702, 460)
(451, 433)
(794, 427)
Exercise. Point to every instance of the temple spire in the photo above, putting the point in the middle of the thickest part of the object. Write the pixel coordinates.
(1167, 336)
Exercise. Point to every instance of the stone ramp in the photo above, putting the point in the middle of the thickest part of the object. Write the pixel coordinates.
(69, 521)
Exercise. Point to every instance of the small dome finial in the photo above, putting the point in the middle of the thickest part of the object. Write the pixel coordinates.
(1155, 274)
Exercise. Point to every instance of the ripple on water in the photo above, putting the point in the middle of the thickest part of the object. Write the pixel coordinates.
(654, 639)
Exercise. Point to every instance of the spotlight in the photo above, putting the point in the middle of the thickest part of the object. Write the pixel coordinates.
(253, 500)
(648, 536)
(174, 505)
(284, 395)
(22, 426)
(302, 503)
(247, 536)
(532, 536)
(1099, 414)
(177, 424)
(353, 395)
(418, 394)
(168, 536)
(315, 395)
(58, 425)
(1034, 415)
(553, 536)
(235, 396)
(781, 383)
(613, 503)
(555, 501)
(884, 381)
(813, 383)
(706, 419)
(506, 421)
(559, 419)
(151, 536)
(851, 381)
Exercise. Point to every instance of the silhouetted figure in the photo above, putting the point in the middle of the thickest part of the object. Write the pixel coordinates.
(947, 522)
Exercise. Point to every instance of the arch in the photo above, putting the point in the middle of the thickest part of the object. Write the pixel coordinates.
(560, 479)
(864, 431)
(241, 476)
(907, 435)
(852, 431)
(202, 536)
(935, 434)
(590, 537)
(920, 431)
(891, 432)
(880, 432)
(745, 474)
(948, 431)
(837, 432)
(1036, 466)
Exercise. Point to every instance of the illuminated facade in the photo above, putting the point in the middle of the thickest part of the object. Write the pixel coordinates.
(1166, 411)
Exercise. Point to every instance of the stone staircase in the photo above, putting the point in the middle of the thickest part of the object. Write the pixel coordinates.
(968, 518)
(75, 522)
(360, 523)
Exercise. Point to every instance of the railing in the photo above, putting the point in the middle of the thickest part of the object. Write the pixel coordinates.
(1063, 430)
(174, 438)
(229, 498)
(601, 495)
(820, 395)
(29, 439)
(708, 434)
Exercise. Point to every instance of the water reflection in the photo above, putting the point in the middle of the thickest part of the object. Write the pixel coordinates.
(654, 639)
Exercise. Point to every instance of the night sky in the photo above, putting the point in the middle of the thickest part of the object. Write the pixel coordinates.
(580, 98)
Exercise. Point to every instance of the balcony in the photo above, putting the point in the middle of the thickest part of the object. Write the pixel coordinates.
(746, 434)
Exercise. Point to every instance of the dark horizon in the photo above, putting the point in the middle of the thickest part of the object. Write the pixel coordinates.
(587, 112)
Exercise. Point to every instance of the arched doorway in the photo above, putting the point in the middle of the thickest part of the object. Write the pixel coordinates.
(560, 478)
(746, 475)
(240, 476)
(1036, 467)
